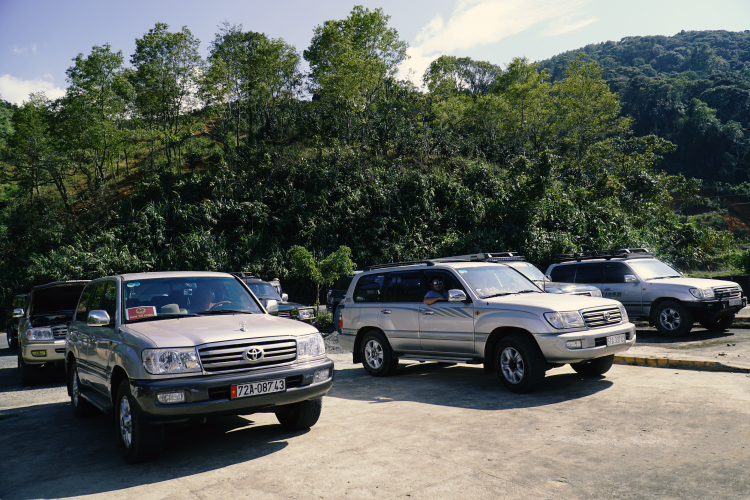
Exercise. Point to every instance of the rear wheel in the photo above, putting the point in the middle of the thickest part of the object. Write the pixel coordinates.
(12, 339)
(377, 355)
(81, 407)
(672, 319)
(718, 324)
(594, 367)
(302, 415)
(139, 442)
(519, 364)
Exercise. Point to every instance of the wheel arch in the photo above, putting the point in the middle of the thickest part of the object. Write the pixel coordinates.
(356, 358)
(494, 338)
(118, 375)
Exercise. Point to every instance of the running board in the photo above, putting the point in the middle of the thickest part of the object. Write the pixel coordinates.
(95, 399)
(441, 359)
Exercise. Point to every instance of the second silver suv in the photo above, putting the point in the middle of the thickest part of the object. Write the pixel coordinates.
(493, 315)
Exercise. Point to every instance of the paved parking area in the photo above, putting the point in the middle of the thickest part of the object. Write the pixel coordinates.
(429, 432)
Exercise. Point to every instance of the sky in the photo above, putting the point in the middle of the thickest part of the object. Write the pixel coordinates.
(39, 38)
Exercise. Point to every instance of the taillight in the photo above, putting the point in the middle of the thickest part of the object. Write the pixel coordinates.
(341, 322)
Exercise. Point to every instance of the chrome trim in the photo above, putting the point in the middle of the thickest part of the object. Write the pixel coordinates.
(230, 356)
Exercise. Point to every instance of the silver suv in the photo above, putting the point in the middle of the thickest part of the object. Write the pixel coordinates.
(653, 291)
(490, 314)
(159, 348)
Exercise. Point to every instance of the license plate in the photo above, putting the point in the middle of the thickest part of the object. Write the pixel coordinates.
(258, 388)
(616, 339)
(736, 301)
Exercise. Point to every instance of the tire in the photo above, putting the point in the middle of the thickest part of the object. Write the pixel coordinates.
(377, 355)
(81, 407)
(718, 324)
(26, 372)
(139, 442)
(302, 415)
(12, 340)
(672, 319)
(594, 367)
(519, 364)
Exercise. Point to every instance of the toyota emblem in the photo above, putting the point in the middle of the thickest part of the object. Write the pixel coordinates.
(606, 316)
(253, 354)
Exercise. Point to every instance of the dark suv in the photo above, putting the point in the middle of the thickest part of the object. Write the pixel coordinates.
(653, 291)
(277, 303)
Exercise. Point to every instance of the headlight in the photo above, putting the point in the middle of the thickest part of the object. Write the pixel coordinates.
(310, 346)
(596, 293)
(163, 361)
(39, 334)
(624, 314)
(305, 313)
(566, 319)
(702, 293)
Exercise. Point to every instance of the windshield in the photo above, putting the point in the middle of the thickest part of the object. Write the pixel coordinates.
(528, 270)
(264, 290)
(495, 281)
(185, 296)
(653, 269)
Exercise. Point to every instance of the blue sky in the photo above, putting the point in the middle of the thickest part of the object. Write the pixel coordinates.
(39, 38)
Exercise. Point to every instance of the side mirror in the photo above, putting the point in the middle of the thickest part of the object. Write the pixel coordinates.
(629, 278)
(18, 313)
(456, 296)
(98, 318)
(284, 298)
(271, 305)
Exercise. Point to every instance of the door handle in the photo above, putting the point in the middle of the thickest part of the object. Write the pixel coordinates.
(386, 311)
(427, 312)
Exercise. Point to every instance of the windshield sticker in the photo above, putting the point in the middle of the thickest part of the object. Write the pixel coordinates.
(134, 283)
(140, 312)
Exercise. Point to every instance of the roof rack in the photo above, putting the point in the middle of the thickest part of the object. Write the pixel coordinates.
(618, 253)
(399, 264)
(241, 274)
(484, 257)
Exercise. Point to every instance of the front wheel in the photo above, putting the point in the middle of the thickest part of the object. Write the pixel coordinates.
(377, 355)
(718, 324)
(302, 415)
(673, 319)
(139, 442)
(519, 364)
(26, 372)
(594, 367)
(12, 341)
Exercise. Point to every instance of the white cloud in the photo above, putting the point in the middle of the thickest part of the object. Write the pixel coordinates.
(15, 90)
(481, 22)
(567, 25)
(24, 50)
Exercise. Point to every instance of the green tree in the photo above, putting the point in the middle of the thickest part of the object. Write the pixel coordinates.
(322, 271)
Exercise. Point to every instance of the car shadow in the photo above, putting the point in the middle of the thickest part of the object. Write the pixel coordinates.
(461, 386)
(87, 461)
(653, 337)
(44, 378)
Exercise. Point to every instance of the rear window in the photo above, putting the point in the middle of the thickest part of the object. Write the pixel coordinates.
(589, 274)
(55, 299)
(369, 288)
(563, 274)
(405, 287)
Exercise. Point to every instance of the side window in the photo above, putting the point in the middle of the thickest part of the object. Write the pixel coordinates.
(84, 305)
(369, 288)
(109, 299)
(405, 287)
(615, 273)
(589, 274)
(564, 274)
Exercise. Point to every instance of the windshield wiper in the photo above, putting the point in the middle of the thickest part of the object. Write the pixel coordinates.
(664, 277)
(497, 295)
(223, 311)
(530, 291)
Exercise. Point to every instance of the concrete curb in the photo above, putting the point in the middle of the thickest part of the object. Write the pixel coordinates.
(683, 364)
(738, 323)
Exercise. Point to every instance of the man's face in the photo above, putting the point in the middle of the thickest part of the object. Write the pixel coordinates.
(437, 284)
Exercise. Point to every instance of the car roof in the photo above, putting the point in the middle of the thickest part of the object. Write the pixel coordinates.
(599, 261)
(59, 283)
(429, 266)
(174, 274)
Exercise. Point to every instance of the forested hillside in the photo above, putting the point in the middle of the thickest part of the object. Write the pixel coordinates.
(692, 89)
(176, 162)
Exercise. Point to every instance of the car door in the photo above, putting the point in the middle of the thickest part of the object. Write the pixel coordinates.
(446, 327)
(79, 332)
(627, 292)
(103, 339)
(399, 312)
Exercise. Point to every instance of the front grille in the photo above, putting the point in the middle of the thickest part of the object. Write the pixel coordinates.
(727, 292)
(228, 356)
(595, 318)
(60, 332)
(285, 314)
(583, 293)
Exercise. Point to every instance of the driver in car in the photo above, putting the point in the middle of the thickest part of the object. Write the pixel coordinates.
(436, 292)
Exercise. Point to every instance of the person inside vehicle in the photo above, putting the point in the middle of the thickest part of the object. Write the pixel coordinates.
(203, 299)
(436, 292)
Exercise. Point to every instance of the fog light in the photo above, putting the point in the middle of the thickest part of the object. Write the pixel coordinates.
(39, 354)
(171, 397)
(573, 344)
(321, 375)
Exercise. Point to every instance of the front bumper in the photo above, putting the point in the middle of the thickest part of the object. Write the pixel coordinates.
(54, 350)
(209, 395)
(715, 307)
(594, 343)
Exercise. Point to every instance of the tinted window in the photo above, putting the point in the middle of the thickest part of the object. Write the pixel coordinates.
(83, 306)
(405, 287)
(589, 274)
(563, 274)
(369, 288)
(615, 273)
(108, 301)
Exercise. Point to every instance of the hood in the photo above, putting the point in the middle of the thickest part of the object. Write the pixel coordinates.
(694, 282)
(51, 318)
(545, 302)
(198, 330)
(556, 287)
